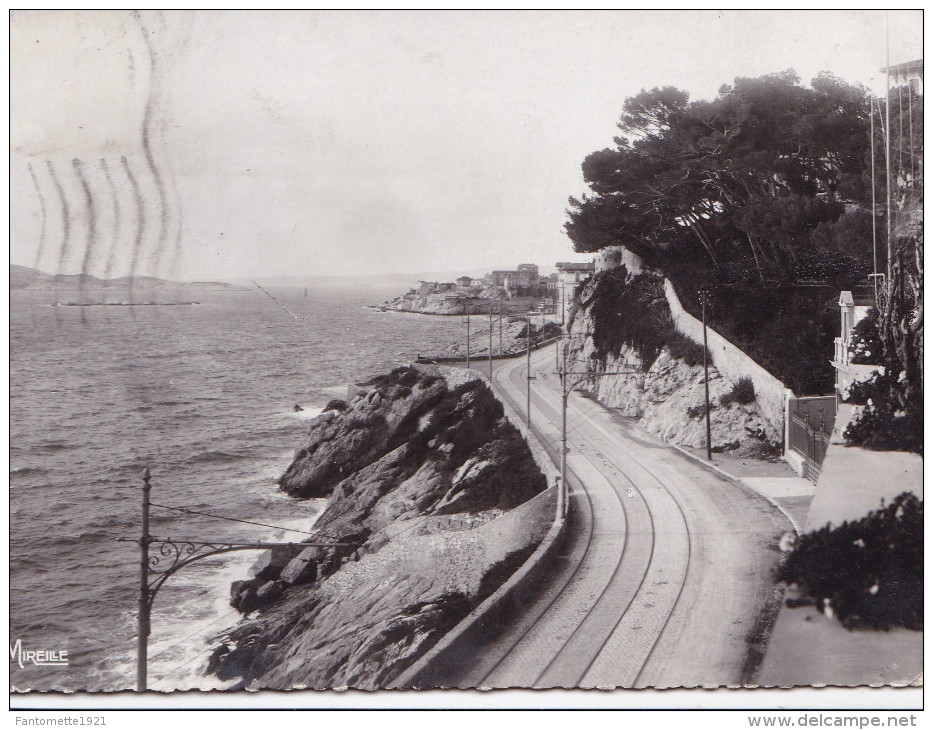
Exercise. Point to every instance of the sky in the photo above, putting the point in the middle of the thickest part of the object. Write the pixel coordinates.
(232, 144)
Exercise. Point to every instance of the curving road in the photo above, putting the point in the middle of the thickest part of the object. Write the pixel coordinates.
(665, 577)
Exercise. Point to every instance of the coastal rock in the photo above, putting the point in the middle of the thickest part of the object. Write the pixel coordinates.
(364, 433)
(434, 501)
(270, 563)
(243, 594)
(301, 569)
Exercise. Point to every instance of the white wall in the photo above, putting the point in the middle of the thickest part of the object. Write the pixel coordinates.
(732, 362)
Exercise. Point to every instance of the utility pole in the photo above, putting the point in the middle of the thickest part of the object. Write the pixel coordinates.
(168, 558)
(709, 437)
(566, 388)
(528, 369)
(142, 619)
(490, 342)
(887, 137)
(500, 325)
(874, 210)
(468, 334)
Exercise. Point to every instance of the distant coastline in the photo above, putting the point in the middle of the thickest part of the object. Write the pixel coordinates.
(123, 304)
(29, 279)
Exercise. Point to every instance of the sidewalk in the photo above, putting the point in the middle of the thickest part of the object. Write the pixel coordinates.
(773, 480)
(805, 647)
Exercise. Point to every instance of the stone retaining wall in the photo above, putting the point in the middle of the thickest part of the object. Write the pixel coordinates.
(732, 362)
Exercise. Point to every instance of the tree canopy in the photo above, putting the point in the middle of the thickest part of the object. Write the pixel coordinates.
(736, 186)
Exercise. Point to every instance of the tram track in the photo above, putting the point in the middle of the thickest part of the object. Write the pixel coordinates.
(602, 627)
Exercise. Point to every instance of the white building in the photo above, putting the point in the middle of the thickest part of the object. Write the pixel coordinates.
(569, 277)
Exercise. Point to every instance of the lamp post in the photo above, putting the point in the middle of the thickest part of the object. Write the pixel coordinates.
(142, 619)
(468, 333)
(500, 324)
(171, 555)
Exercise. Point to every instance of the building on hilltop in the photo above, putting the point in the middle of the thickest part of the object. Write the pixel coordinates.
(569, 276)
(528, 274)
(497, 277)
(907, 74)
(612, 256)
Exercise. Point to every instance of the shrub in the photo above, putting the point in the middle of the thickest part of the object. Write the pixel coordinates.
(683, 348)
(870, 572)
(883, 424)
(827, 265)
(865, 346)
(698, 411)
(634, 313)
(874, 429)
(789, 331)
(743, 393)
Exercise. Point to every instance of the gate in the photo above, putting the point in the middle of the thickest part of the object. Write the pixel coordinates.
(811, 424)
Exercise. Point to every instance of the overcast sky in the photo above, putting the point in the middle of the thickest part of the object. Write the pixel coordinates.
(327, 143)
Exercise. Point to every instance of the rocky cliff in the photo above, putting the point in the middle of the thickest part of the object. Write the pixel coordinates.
(622, 324)
(433, 501)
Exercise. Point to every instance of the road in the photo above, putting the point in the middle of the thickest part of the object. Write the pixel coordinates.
(665, 578)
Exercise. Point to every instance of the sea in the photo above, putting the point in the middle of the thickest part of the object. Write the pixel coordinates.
(202, 393)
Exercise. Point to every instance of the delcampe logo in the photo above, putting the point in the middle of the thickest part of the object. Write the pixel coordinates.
(37, 657)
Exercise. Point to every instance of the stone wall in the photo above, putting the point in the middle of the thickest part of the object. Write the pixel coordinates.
(732, 362)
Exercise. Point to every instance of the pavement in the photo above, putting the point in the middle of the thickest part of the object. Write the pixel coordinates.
(774, 480)
(664, 554)
(808, 648)
(855, 481)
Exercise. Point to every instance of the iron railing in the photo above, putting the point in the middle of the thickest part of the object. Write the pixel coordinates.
(811, 424)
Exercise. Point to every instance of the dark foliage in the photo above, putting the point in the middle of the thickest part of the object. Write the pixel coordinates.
(892, 418)
(742, 392)
(829, 266)
(743, 181)
(683, 348)
(877, 427)
(874, 429)
(634, 313)
(789, 331)
(698, 411)
(869, 571)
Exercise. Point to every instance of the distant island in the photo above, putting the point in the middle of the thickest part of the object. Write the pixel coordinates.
(24, 277)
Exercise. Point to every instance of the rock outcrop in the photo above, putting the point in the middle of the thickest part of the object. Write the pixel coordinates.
(434, 499)
(452, 303)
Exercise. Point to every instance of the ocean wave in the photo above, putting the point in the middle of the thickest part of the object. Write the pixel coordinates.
(212, 457)
(307, 414)
(28, 470)
(53, 446)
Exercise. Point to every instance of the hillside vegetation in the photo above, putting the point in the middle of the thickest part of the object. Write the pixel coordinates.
(761, 196)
